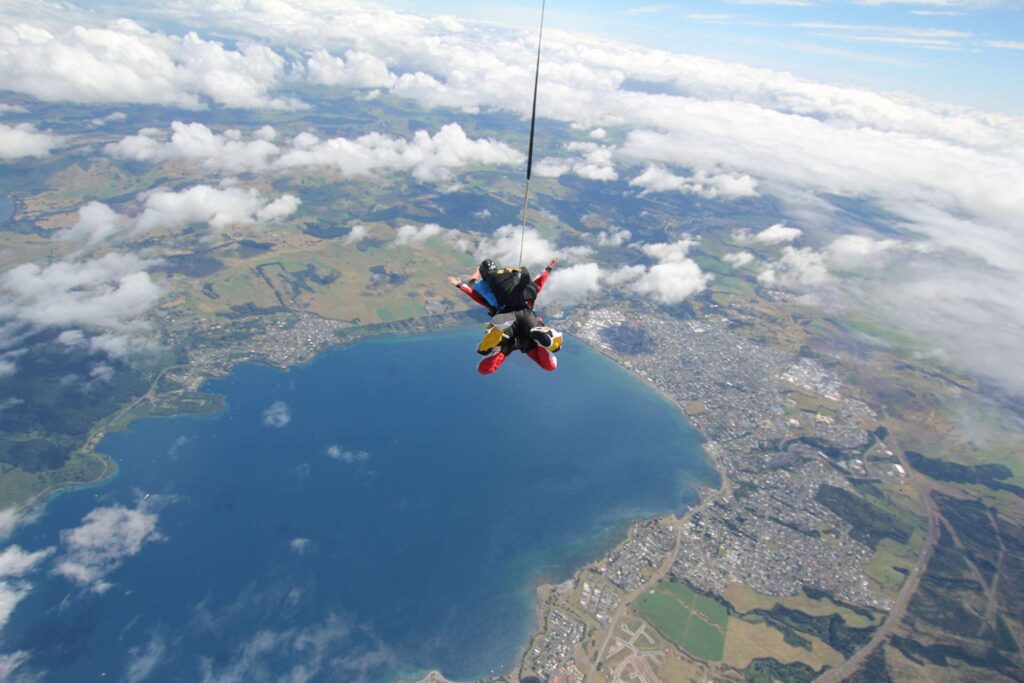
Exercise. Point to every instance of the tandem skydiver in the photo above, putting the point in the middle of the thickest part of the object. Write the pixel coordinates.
(509, 294)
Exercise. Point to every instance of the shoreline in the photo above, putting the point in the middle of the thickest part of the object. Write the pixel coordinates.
(540, 587)
(703, 500)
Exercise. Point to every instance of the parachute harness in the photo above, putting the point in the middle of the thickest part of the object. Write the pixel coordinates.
(533, 126)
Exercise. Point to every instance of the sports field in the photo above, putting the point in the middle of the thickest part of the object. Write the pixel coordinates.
(695, 622)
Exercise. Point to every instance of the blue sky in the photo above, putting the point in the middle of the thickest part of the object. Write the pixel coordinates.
(968, 53)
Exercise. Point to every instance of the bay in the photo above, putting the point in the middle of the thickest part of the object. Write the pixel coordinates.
(381, 511)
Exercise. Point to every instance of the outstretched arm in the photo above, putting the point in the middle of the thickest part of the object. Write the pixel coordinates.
(543, 277)
(472, 294)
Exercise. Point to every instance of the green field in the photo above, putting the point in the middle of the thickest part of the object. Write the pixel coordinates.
(695, 622)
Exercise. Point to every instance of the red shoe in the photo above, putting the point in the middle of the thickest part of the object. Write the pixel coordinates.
(491, 363)
(543, 358)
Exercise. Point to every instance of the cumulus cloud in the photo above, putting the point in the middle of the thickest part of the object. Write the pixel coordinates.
(12, 109)
(503, 247)
(571, 286)
(669, 252)
(657, 178)
(96, 223)
(340, 454)
(804, 142)
(112, 292)
(624, 275)
(738, 259)
(357, 233)
(229, 151)
(672, 282)
(220, 208)
(408, 234)
(23, 140)
(278, 415)
(591, 161)
(614, 238)
(7, 367)
(356, 70)
(775, 234)
(430, 158)
(14, 564)
(298, 545)
(107, 536)
(673, 279)
(124, 62)
(796, 268)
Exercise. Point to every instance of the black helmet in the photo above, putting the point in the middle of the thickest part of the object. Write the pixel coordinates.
(486, 267)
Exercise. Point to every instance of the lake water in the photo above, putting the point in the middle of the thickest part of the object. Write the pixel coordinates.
(6, 209)
(417, 545)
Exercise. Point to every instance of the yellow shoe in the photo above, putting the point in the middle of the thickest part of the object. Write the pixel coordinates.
(492, 338)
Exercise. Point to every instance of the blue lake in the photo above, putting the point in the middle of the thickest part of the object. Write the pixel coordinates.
(419, 545)
(6, 209)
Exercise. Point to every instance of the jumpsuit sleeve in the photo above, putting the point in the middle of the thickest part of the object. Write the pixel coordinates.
(472, 294)
(541, 279)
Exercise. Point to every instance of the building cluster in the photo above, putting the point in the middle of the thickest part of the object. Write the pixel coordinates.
(649, 543)
(553, 650)
(769, 533)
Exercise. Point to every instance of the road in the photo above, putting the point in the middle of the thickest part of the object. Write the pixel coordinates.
(899, 607)
(659, 574)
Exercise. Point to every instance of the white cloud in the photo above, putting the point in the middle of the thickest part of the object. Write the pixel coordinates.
(220, 208)
(624, 275)
(430, 158)
(298, 545)
(126, 63)
(107, 536)
(11, 593)
(777, 234)
(194, 142)
(11, 518)
(10, 663)
(674, 252)
(96, 223)
(503, 247)
(599, 134)
(614, 238)
(738, 259)
(1006, 44)
(342, 455)
(571, 286)
(7, 367)
(408, 234)
(806, 143)
(672, 282)
(796, 268)
(356, 234)
(307, 651)
(674, 278)
(12, 109)
(656, 178)
(109, 118)
(23, 140)
(277, 415)
(594, 162)
(852, 251)
(15, 562)
(356, 70)
(112, 293)
(142, 662)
